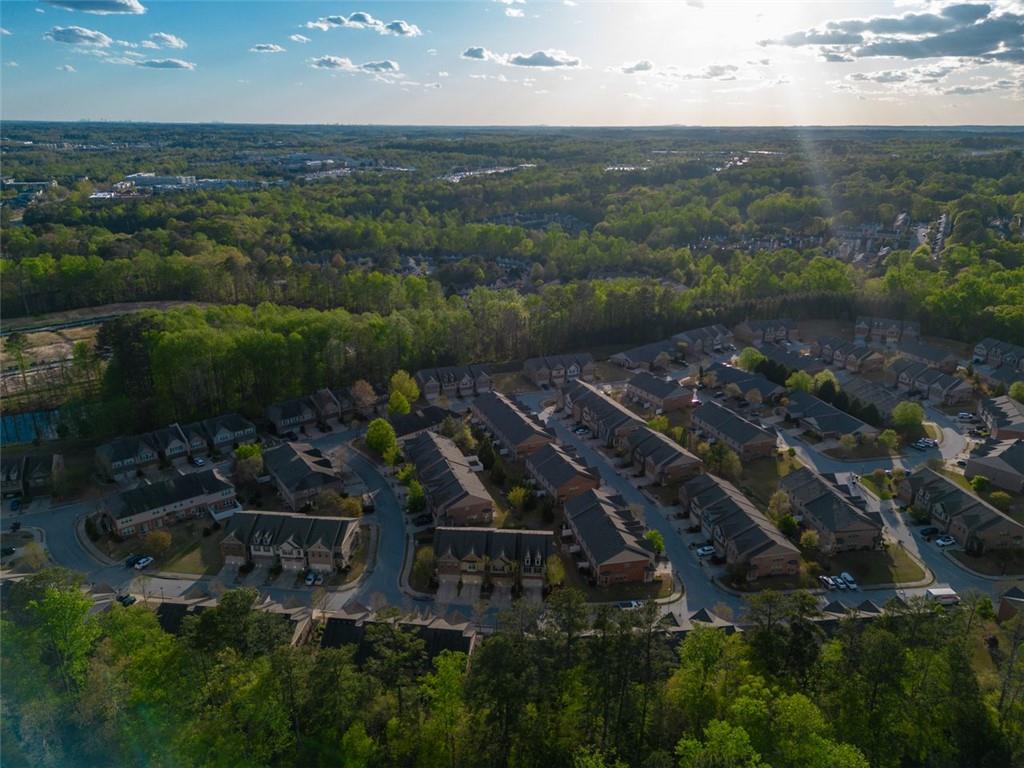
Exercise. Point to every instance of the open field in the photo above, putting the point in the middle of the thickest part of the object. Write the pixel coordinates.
(889, 566)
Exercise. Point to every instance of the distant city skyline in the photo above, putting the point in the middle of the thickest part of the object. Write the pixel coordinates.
(515, 62)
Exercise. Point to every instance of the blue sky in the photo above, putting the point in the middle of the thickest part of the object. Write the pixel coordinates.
(692, 62)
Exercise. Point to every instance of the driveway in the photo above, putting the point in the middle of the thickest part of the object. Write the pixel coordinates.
(447, 590)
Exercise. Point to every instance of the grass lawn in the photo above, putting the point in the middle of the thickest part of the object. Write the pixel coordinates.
(1004, 564)
(882, 490)
(509, 383)
(761, 476)
(189, 552)
(778, 583)
(358, 562)
(1016, 510)
(615, 592)
(889, 566)
(501, 508)
(667, 495)
(416, 578)
(861, 451)
(932, 431)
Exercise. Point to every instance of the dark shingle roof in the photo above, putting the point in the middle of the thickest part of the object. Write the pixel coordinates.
(299, 466)
(607, 528)
(657, 386)
(179, 488)
(724, 421)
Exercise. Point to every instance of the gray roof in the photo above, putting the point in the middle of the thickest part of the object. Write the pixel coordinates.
(725, 422)
(661, 449)
(974, 513)
(299, 466)
(1007, 455)
(443, 471)
(277, 528)
(727, 374)
(611, 413)
(815, 497)
(419, 419)
(125, 447)
(493, 543)
(657, 386)
(556, 467)
(450, 374)
(177, 489)
(934, 355)
(289, 409)
(162, 438)
(792, 360)
(508, 419)
(607, 528)
(825, 417)
(647, 353)
(552, 361)
(1004, 411)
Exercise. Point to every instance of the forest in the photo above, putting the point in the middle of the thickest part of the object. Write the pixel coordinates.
(584, 687)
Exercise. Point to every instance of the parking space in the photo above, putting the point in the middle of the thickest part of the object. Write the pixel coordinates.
(447, 590)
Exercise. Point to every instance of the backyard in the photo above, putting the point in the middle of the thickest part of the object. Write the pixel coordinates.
(189, 551)
(656, 589)
(761, 477)
(891, 565)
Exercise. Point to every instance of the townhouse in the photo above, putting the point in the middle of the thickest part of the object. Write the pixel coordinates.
(326, 405)
(659, 457)
(881, 330)
(560, 475)
(996, 354)
(226, 432)
(156, 505)
(556, 370)
(974, 523)
(744, 437)
(1001, 462)
(792, 361)
(824, 419)
(291, 415)
(1003, 416)
(858, 358)
(508, 559)
(933, 357)
(121, 458)
(171, 445)
(742, 535)
(912, 376)
(455, 495)
(295, 542)
(883, 398)
(349, 628)
(608, 419)
(841, 526)
(513, 429)
(758, 332)
(825, 347)
(723, 375)
(648, 357)
(30, 476)
(609, 539)
(704, 340)
(454, 381)
(658, 393)
(300, 472)
(427, 419)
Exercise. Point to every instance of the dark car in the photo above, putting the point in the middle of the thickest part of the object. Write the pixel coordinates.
(131, 560)
(7, 551)
(930, 531)
(127, 600)
(423, 520)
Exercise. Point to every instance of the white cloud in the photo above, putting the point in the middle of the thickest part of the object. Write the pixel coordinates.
(267, 48)
(442, 74)
(432, 51)
(363, 20)
(167, 40)
(11, 64)
(514, 13)
(4, 32)
(298, 38)
(66, 68)
(99, 7)
(570, 3)
(78, 36)
(344, 64)
(165, 64)
(644, 65)
(552, 58)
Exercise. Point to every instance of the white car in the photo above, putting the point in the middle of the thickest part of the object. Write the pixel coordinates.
(143, 563)
(310, 579)
(705, 551)
(942, 541)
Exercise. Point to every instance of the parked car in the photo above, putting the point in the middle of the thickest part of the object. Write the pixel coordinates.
(319, 579)
(705, 551)
(930, 531)
(839, 584)
(917, 446)
(945, 541)
(127, 600)
(198, 461)
(965, 416)
(131, 560)
(7, 551)
(310, 578)
(629, 605)
(961, 462)
(826, 582)
(143, 563)
(850, 581)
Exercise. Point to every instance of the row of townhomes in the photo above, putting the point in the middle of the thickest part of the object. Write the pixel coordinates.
(658, 458)
(824, 419)
(975, 524)
(851, 355)
(999, 362)
(301, 412)
(156, 505)
(742, 535)
(608, 540)
(559, 475)
(907, 375)
(1003, 416)
(884, 331)
(723, 375)
(29, 476)
(295, 542)
(515, 432)
(121, 458)
(608, 419)
(748, 440)
(507, 561)
(454, 381)
(658, 354)
(556, 370)
(793, 361)
(1002, 462)
(882, 397)
(759, 332)
(658, 393)
(820, 506)
(300, 472)
(455, 495)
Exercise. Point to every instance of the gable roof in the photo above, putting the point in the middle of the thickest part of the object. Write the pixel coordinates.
(732, 425)
(658, 386)
(1007, 455)
(553, 361)
(418, 419)
(607, 529)
(555, 467)
(824, 416)
(177, 489)
(493, 543)
(508, 419)
(658, 448)
(727, 374)
(299, 466)
(443, 471)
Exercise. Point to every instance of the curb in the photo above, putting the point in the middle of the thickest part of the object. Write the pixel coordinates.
(1005, 577)
(88, 547)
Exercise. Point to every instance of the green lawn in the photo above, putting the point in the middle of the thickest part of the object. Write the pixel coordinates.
(861, 451)
(358, 561)
(761, 477)
(509, 383)
(605, 371)
(1004, 564)
(889, 566)
(615, 592)
(189, 552)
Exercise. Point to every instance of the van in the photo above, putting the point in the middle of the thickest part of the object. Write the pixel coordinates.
(965, 416)
(942, 596)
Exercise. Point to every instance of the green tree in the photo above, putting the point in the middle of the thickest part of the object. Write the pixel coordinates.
(403, 383)
(517, 497)
(380, 436)
(980, 483)
(66, 630)
(800, 381)
(848, 442)
(1016, 391)
(554, 571)
(809, 539)
(778, 505)
(1000, 500)
(157, 542)
(658, 423)
(907, 417)
(655, 540)
(398, 405)
(724, 746)
(750, 358)
(889, 439)
(448, 726)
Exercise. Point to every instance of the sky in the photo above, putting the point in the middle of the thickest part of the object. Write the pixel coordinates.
(515, 62)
